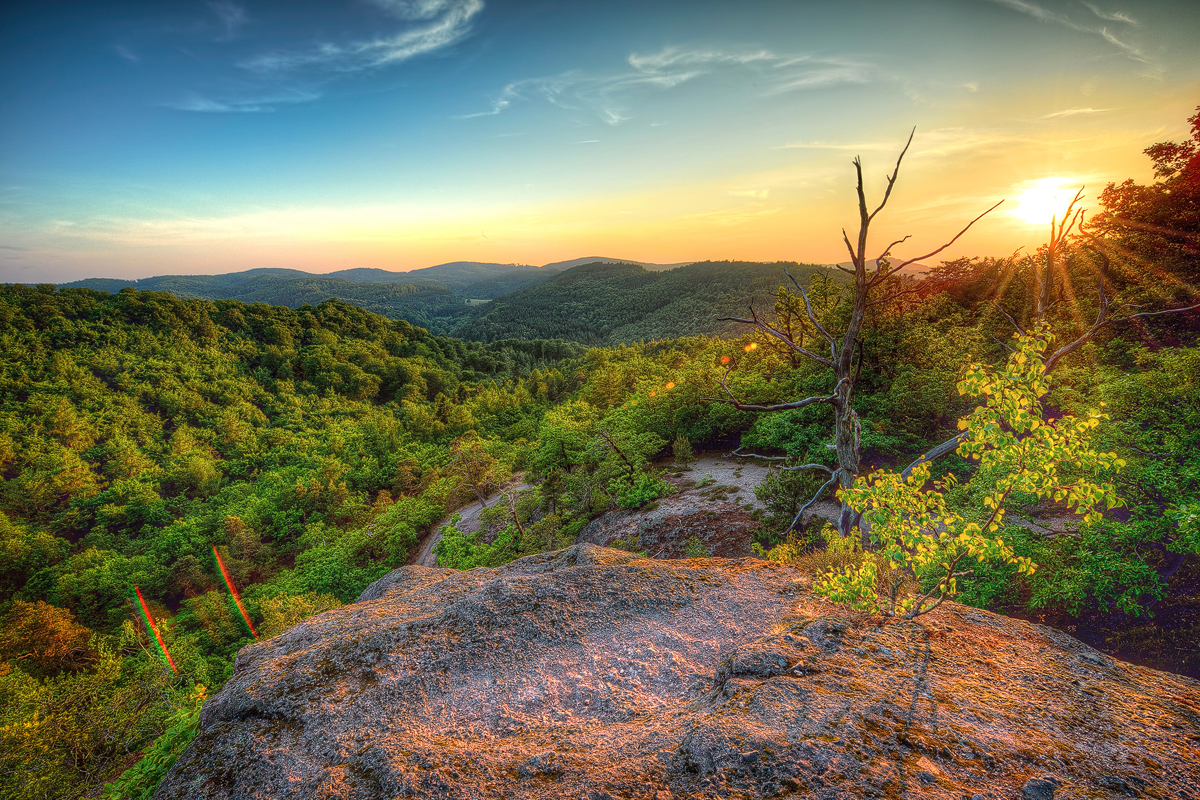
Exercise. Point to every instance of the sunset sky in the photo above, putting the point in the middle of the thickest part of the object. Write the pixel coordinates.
(149, 138)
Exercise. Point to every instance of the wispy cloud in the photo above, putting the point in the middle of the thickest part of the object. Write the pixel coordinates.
(1112, 16)
(231, 16)
(448, 22)
(939, 142)
(1046, 15)
(258, 103)
(127, 54)
(1071, 112)
(607, 96)
(300, 74)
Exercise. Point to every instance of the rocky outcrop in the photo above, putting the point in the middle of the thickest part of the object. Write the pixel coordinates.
(721, 526)
(590, 673)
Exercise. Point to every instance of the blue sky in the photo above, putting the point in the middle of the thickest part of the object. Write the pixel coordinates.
(144, 138)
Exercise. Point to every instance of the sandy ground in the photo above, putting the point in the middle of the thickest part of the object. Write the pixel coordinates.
(721, 520)
(746, 473)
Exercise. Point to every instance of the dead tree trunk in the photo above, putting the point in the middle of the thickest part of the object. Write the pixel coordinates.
(842, 359)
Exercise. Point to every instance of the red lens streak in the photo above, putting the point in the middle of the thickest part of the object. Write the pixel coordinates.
(233, 591)
(162, 646)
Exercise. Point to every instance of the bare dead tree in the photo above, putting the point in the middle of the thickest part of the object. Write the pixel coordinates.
(868, 276)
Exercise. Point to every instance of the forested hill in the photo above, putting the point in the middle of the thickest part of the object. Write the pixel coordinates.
(455, 276)
(601, 304)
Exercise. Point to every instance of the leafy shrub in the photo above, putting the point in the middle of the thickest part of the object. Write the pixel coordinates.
(467, 551)
(283, 611)
(694, 548)
(1020, 453)
(139, 781)
(681, 449)
(640, 491)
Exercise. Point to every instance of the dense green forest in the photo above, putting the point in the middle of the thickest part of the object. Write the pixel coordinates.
(432, 298)
(143, 436)
(606, 304)
(595, 303)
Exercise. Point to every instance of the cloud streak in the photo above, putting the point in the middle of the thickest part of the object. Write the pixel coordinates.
(608, 96)
(448, 22)
(299, 75)
(1046, 15)
(1113, 16)
(259, 103)
(1071, 112)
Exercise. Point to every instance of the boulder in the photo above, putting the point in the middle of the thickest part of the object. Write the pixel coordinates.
(590, 673)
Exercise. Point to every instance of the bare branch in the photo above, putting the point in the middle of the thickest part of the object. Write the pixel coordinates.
(932, 253)
(1100, 323)
(613, 446)
(740, 406)
(810, 503)
(937, 452)
(778, 334)
(813, 319)
(892, 178)
(1009, 317)
(888, 252)
(850, 247)
(996, 339)
(739, 454)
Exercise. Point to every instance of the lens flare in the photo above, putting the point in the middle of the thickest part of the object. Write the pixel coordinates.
(149, 620)
(234, 592)
(751, 346)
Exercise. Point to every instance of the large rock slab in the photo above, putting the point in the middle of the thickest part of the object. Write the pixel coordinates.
(588, 673)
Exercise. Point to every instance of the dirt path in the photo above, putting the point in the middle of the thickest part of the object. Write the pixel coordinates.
(468, 524)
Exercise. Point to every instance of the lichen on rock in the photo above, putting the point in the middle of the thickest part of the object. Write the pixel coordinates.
(588, 672)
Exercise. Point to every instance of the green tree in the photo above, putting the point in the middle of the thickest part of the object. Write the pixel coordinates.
(921, 541)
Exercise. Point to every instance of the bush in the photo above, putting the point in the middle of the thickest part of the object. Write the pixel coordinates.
(694, 548)
(139, 781)
(681, 449)
(635, 494)
(283, 611)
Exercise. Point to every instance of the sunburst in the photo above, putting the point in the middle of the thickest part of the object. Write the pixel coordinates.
(1044, 200)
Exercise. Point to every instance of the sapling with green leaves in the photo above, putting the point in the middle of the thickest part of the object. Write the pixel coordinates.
(924, 541)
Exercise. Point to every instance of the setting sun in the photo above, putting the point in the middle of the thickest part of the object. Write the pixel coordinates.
(1045, 199)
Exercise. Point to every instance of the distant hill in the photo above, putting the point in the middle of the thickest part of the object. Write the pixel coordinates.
(577, 262)
(456, 275)
(604, 304)
(428, 306)
(594, 302)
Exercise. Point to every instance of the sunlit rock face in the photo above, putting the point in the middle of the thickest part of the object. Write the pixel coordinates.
(590, 673)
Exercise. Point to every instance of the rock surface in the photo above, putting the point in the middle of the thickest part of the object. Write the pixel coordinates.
(588, 673)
